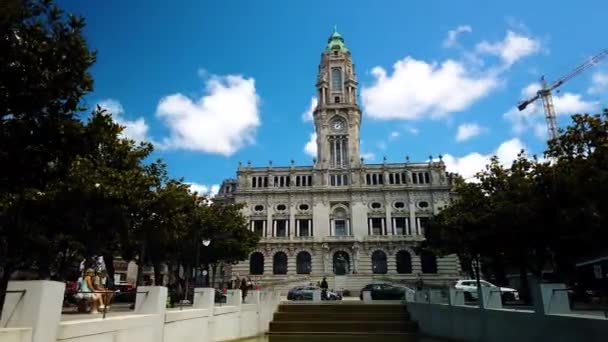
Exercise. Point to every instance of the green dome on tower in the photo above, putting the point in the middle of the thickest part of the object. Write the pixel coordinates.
(336, 42)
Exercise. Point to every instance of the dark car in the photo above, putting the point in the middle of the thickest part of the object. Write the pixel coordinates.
(385, 291)
(305, 293)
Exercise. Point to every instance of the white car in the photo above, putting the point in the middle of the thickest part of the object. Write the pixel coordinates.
(470, 290)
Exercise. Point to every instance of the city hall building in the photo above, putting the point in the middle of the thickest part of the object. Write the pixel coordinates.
(341, 218)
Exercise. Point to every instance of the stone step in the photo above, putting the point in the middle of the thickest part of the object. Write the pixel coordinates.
(342, 327)
(342, 337)
(340, 316)
(343, 307)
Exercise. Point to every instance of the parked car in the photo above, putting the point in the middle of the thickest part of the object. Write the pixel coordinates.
(305, 293)
(470, 290)
(386, 291)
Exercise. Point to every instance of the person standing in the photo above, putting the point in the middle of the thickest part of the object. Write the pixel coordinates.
(244, 288)
(324, 287)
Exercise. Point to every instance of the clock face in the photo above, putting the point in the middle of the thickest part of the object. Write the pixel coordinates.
(338, 125)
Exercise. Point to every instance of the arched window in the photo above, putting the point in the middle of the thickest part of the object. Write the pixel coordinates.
(341, 263)
(303, 263)
(404, 262)
(279, 263)
(256, 263)
(336, 79)
(429, 262)
(379, 262)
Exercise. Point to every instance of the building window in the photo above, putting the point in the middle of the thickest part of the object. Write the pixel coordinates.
(336, 79)
(427, 178)
(258, 207)
(258, 227)
(256, 263)
(400, 225)
(281, 207)
(404, 262)
(423, 204)
(375, 226)
(338, 180)
(429, 262)
(341, 263)
(340, 228)
(303, 207)
(376, 205)
(374, 179)
(303, 263)
(423, 223)
(399, 205)
(279, 263)
(338, 146)
(305, 227)
(379, 262)
(281, 227)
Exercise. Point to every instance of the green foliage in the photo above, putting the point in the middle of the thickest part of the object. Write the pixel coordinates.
(71, 189)
(534, 212)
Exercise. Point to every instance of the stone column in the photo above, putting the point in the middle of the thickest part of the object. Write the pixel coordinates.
(153, 300)
(413, 226)
(204, 298)
(292, 224)
(35, 304)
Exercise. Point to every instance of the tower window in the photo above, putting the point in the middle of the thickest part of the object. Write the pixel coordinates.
(336, 79)
(337, 99)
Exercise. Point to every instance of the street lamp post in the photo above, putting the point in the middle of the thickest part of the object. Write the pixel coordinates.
(205, 243)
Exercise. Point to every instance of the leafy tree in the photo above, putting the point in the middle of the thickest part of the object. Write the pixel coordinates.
(534, 212)
(43, 75)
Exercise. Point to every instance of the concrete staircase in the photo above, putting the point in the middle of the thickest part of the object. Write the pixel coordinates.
(342, 321)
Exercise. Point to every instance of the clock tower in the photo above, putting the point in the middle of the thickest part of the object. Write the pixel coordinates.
(337, 117)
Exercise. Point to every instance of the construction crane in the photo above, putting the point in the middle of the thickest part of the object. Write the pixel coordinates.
(544, 93)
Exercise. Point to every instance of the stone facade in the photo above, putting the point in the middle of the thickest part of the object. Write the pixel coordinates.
(341, 218)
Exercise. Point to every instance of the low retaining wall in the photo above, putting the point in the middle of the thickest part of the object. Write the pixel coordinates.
(24, 319)
(551, 321)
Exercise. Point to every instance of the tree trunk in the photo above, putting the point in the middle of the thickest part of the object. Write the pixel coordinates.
(157, 276)
(109, 260)
(140, 265)
(214, 268)
(524, 287)
(6, 276)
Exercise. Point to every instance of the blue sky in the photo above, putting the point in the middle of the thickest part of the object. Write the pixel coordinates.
(212, 83)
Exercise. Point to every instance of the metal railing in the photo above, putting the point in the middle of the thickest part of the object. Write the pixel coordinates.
(105, 303)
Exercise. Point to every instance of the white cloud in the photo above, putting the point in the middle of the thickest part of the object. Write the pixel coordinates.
(452, 38)
(533, 117)
(599, 83)
(468, 165)
(417, 88)
(307, 115)
(467, 131)
(412, 130)
(311, 146)
(368, 156)
(512, 48)
(222, 121)
(203, 189)
(133, 129)
(393, 135)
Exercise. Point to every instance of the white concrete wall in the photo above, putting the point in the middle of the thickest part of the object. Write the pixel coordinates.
(150, 321)
(468, 323)
(16, 334)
